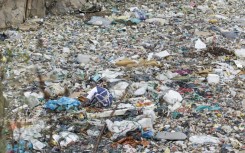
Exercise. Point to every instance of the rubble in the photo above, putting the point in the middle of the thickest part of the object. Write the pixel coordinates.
(128, 77)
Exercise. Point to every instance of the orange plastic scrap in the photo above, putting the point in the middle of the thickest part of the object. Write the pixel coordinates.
(142, 104)
(15, 124)
(131, 141)
(241, 72)
(127, 140)
(82, 99)
(145, 143)
(125, 62)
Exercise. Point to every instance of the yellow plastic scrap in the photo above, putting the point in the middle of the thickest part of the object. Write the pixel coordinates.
(125, 62)
(4, 59)
(129, 63)
(219, 115)
(167, 150)
(205, 71)
(213, 21)
(53, 143)
(122, 18)
(149, 63)
(132, 65)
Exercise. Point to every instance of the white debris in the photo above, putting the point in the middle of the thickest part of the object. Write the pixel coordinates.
(240, 52)
(200, 45)
(213, 78)
(172, 97)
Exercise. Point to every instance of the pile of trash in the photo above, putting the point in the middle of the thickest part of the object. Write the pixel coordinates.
(135, 77)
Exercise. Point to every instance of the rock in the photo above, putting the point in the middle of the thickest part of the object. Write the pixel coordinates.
(171, 135)
(15, 11)
(230, 34)
(37, 8)
(64, 6)
(12, 12)
(28, 27)
(2, 18)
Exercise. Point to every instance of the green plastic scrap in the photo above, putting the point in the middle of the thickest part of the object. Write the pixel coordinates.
(181, 78)
(210, 108)
(196, 97)
(175, 115)
(135, 20)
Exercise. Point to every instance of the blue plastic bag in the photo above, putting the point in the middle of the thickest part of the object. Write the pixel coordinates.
(66, 102)
(148, 134)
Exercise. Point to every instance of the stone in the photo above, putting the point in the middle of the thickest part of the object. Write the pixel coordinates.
(230, 34)
(64, 6)
(38, 8)
(28, 27)
(2, 18)
(13, 12)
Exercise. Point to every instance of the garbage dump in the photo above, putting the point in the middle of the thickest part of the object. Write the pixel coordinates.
(143, 76)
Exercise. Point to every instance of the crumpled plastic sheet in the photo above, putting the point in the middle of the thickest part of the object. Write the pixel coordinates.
(97, 20)
(120, 128)
(200, 139)
(67, 102)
